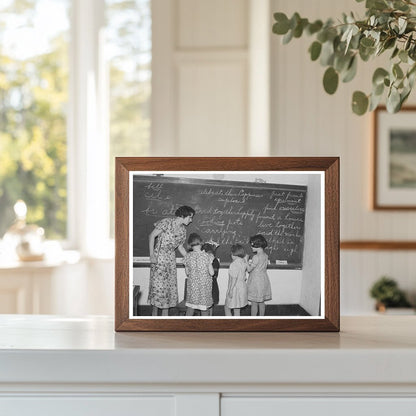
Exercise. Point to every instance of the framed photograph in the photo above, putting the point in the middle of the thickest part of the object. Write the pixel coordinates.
(227, 244)
(394, 159)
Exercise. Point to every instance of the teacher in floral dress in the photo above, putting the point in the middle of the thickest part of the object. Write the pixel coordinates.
(168, 235)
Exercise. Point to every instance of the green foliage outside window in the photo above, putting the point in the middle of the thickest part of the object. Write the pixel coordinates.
(34, 103)
(129, 43)
(33, 99)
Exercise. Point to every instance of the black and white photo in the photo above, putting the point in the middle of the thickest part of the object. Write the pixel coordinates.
(226, 244)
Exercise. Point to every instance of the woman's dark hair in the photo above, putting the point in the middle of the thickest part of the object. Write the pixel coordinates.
(208, 248)
(238, 250)
(184, 211)
(194, 239)
(258, 241)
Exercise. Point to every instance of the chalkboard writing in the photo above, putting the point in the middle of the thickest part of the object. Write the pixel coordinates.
(227, 212)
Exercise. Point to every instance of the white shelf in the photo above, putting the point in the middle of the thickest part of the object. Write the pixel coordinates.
(47, 349)
(58, 365)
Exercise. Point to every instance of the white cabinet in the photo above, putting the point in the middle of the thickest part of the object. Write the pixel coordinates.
(322, 406)
(80, 366)
(88, 406)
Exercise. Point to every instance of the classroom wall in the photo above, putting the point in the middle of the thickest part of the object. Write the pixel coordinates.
(310, 296)
(286, 284)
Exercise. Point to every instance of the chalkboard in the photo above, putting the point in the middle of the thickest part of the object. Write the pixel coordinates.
(227, 212)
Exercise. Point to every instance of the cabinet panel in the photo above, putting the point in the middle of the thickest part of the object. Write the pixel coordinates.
(88, 406)
(212, 24)
(212, 108)
(271, 406)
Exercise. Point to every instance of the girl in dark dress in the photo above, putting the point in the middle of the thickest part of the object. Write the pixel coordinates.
(210, 248)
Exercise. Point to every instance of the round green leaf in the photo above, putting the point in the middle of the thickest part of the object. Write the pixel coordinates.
(327, 54)
(298, 30)
(395, 52)
(393, 101)
(379, 75)
(342, 61)
(351, 71)
(330, 80)
(397, 71)
(389, 43)
(403, 96)
(403, 55)
(367, 42)
(378, 90)
(314, 27)
(366, 53)
(408, 42)
(288, 37)
(315, 50)
(359, 103)
(294, 20)
(281, 26)
(374, 102)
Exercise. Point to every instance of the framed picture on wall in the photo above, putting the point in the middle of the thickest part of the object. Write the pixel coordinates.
(227, 244)
(394, 183)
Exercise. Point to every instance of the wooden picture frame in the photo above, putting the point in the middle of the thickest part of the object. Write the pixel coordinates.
(394, 158)
(212, 183)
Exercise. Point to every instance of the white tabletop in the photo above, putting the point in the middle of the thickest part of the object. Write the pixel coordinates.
(373, 349)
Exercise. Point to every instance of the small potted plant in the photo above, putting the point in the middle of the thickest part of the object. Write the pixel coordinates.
(387, 294)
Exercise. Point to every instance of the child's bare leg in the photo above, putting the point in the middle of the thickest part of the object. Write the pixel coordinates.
(262, 308)
(227, 311)
(236, 311)
(165, 311)
(254, 308)
(204, 313)
(189, 311)
(155, 310)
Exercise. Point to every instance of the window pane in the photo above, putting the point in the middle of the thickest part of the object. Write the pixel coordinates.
(129, 46)
(33, 100)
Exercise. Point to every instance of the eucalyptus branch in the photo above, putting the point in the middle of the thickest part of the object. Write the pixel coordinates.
(388, 26)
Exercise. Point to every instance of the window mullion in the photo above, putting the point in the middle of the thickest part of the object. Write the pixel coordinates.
(88, 137)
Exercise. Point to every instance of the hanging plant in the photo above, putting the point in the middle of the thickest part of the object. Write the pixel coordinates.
(388, 27)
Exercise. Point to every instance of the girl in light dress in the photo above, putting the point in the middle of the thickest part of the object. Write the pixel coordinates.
(258, 283)
(236, 297)
(198, 268)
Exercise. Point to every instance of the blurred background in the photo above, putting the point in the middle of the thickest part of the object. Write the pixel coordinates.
(83, 81)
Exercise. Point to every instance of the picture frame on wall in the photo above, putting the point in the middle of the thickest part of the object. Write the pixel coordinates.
(394, 159)
(227, 244)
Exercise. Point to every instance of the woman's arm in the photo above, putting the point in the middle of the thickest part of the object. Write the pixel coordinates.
(185, 263)
(211, 270)
(182, 250)
(152, 238)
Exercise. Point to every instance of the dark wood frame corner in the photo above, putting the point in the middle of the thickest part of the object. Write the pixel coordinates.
(329, 165)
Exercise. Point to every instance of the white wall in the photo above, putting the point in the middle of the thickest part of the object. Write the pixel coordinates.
(308, 122)
(200, 77)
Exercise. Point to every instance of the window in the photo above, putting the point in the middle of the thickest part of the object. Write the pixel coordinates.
(33, 97)
(75, 87)
(129, 46)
